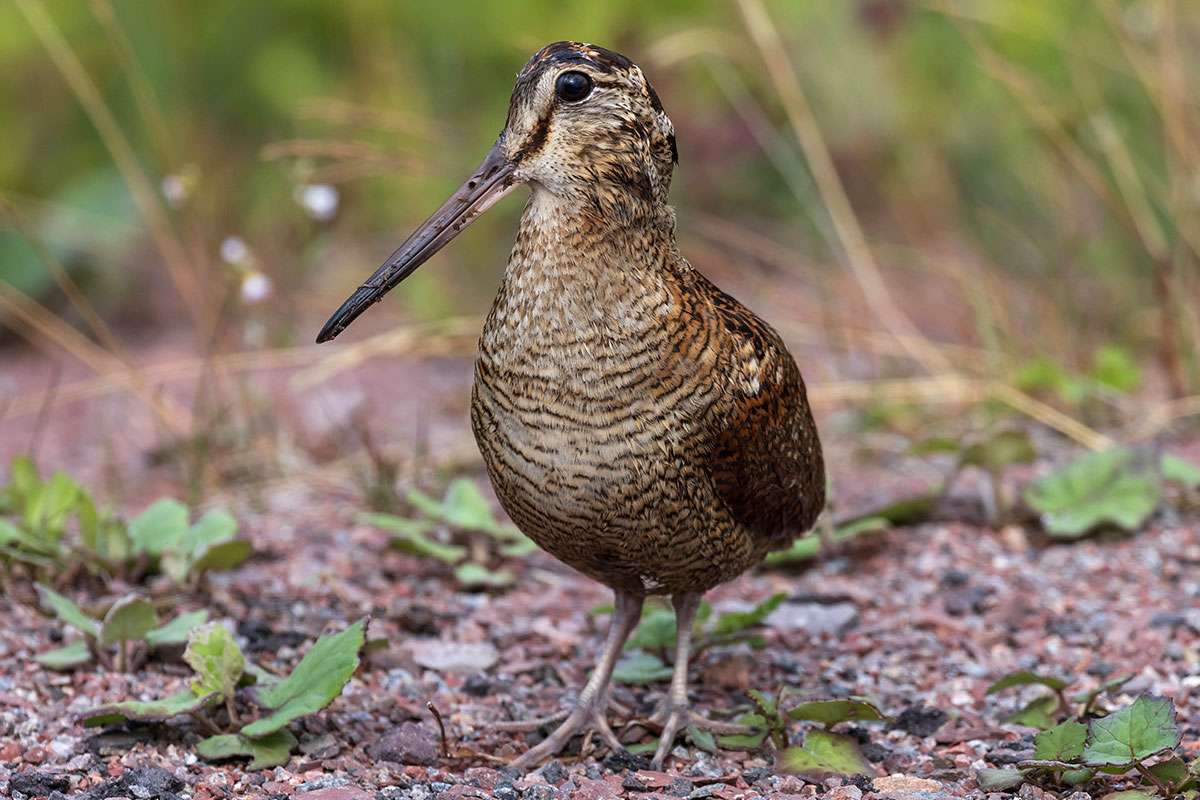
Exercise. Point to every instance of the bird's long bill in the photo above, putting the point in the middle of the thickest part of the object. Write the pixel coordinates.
(481, 191)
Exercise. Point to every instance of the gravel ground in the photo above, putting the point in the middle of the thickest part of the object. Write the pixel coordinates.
(920, 619)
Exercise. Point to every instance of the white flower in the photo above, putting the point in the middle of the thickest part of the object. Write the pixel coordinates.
(234, 250)
(256, 287)
(320, 200)
(175, 190)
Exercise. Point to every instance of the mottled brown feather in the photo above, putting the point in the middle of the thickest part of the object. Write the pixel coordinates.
(636, 422)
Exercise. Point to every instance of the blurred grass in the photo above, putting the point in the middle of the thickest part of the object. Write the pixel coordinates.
(1025, 173)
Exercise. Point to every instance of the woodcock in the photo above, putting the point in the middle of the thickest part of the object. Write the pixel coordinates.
(637, 422)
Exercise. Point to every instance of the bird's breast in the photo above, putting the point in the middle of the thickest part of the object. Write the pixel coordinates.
(575, 402)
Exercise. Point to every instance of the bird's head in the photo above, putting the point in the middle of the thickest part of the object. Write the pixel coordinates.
(584, 128)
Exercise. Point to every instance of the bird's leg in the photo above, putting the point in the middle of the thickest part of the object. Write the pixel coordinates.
(592, 704)
(676, 708)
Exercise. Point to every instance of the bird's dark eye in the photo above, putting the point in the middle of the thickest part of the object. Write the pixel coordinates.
(573, 86)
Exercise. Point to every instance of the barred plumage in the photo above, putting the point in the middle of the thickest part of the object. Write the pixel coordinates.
(637, 422)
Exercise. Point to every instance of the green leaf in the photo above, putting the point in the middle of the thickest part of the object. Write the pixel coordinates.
(1037, 713)
(426, 504)
(1075, 777)
(1131, 794)
(268, 751)
(175, 564)
(998, 780)
(409, 536)
(102, 534)
(1138, 731)
(129, 620)
(25, 557)
(472, 575)
(702, 739)
(67, 611)
(9, 533)
(217, 660)
(1173, 772)
(520, 546)
(1043, 374)
(257, 676)
(1095, 489)
(465, 506)
(177, 630)
(746, 741)
(1180, 471)
(215, 527)
(656, 631)
(155, 710)
(161, 527)
(765, 704)
(807, 547)
(73, 655)
(23, 480)
(831, 712)
(220, 556)
(824, 753)
(639, 668)
(48, 506)
(1063, 742)
(1114, 368)
(905, 511)
(396, 524)
(935, 445)
(736, 621)
(742, 741)
(1000, 451)
(315, 682)
(1027, 677)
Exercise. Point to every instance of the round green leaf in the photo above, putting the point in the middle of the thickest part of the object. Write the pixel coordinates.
(129, 620)
(824, 753)
(269, 751)
(1063, 742)
(1140, 730)
(217, 660)
(831, 712)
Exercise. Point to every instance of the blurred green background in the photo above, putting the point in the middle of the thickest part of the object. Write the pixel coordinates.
(1027, 171)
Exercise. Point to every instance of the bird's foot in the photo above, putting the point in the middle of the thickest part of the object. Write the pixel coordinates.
(586, 718)
(658, 720)
(672, 719)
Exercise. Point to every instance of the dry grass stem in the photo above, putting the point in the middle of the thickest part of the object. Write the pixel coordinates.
(833, 192)
(179, 264)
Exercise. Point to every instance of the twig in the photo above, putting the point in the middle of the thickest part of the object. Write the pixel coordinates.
(437, 715)
(234, 720)
(1045, 763)
(1050, 416)
(205, 722)
(52, 329)
(39, 425)
(1150, 776)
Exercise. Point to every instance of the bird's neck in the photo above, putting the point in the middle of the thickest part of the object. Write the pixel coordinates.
(571, 270)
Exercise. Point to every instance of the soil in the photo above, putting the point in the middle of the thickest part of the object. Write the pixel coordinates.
(921, 619)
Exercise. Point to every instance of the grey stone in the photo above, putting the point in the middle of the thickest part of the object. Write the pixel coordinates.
(815, 618)
(409, 744)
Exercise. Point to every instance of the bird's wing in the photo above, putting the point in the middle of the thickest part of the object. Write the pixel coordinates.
(766, 458)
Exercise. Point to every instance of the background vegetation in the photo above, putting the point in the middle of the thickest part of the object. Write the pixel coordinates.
(1026, 172)
(976, 222)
